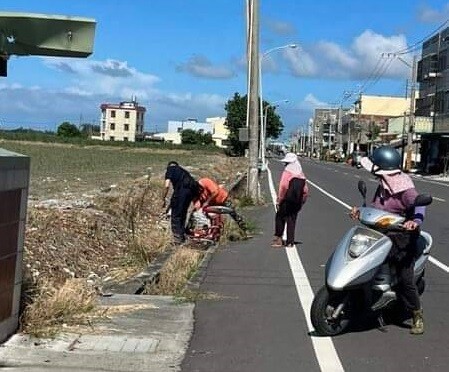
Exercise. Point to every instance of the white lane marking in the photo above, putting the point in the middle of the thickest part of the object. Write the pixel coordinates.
(441, 265)
(442, 183)
(329, 195)
(357, 176)
(438, 199)
(325, 352)
(347, 206)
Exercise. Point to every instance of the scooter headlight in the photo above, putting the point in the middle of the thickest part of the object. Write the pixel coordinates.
(359, 244)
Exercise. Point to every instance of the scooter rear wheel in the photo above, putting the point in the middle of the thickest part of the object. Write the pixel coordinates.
(323, 311)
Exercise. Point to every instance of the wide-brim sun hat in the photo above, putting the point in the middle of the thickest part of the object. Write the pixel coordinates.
(290, 157)
(371, 167)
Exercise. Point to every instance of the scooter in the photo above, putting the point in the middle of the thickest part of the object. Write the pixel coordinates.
(206, 226)
(358, 276)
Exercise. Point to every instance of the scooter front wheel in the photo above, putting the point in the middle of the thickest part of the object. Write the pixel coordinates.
(330, 312)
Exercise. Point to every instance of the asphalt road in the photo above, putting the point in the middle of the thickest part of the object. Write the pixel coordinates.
(256, 318)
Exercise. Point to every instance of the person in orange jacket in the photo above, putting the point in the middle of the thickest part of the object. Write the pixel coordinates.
(213, 194)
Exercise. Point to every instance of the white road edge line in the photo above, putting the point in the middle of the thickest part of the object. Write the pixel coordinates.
(325, 352)
(431, 259)
(441, 265)
(439, 199)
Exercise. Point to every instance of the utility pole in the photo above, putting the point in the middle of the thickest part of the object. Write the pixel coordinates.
(359, 134)
(411, 122)
(253, 97)
(339, 131)
(312, 135)
(403, 140)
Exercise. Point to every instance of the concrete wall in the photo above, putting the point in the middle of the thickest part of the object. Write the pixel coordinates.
(14, 181)
(220, 131)
(384, 105)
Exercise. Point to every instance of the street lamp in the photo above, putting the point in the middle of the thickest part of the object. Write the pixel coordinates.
(262, 116)
(263, 131)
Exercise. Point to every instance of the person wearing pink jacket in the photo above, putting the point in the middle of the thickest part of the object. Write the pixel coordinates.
(292, 195)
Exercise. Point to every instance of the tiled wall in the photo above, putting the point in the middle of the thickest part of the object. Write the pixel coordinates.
(14, 180)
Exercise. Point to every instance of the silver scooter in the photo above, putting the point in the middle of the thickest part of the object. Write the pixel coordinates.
(358, 275)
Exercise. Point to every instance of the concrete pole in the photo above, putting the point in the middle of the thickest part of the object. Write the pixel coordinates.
(262, 121)
(264, 134)
(253, 96)
(339, 130)
(411, 122)
(312, 135)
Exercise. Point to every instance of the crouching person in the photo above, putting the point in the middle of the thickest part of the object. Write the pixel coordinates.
(213, 194)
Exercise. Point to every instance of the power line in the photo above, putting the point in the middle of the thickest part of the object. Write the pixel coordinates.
(381, 73)
(417, 44)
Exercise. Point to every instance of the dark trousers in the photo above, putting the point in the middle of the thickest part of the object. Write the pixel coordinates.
(287, 214)
(179, 204)
(403, 257)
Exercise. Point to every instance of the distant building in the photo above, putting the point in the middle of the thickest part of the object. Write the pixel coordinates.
(215, 126)
(122, 122)
(370, 115)
(193, 124)
(433, 101)
(220, 132)
(324, 128)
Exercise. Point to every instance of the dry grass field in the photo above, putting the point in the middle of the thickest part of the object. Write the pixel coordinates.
(95, 215)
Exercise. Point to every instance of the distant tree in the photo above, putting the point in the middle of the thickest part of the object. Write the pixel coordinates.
(236, 119)
(192, 137)
(88, 129)
(274, 123)
(206, 139)
(236, 109)
(189, 137)
(67, 129)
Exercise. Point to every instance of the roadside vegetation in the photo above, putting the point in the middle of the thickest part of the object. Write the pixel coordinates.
(95, 216)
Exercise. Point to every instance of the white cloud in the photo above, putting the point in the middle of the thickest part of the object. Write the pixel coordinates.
(301, 62)
(310, 102)
(282, 28)
(109, 77)
(200, 66)
(94, 82)
(336, 54)
(426, 14)
(330, 60)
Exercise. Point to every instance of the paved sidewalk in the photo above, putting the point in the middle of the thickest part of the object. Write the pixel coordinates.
(151, 333)
(436, 177)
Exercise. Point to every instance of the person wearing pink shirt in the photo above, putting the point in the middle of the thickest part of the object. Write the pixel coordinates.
(292, 195)
(396, 193)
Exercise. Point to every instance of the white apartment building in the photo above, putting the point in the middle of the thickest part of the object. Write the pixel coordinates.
(215, 126)
(220, 132)
(177, 126)
(122, 122)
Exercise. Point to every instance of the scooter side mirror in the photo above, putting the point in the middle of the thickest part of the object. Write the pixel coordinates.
(362, 188)
(423, 200)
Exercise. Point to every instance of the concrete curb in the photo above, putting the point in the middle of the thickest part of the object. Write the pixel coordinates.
(137, 284)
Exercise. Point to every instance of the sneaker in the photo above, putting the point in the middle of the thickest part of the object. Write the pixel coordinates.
(291, 245)
(277, 242)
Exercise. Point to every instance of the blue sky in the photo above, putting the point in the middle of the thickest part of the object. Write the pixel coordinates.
(187, 58)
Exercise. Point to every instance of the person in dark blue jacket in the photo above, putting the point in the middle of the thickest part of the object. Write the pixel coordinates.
(185, 189)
